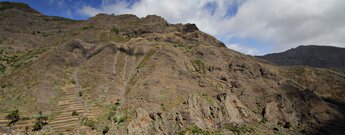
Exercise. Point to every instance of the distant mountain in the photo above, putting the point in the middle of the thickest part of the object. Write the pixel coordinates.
(311, 55)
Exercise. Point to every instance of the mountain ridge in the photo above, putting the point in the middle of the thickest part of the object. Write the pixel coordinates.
(310, 55)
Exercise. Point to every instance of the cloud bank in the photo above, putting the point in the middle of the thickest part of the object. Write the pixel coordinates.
(274, 25)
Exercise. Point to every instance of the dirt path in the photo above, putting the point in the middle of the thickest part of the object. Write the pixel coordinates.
(79, 90)
(130, 64)
(114, 78)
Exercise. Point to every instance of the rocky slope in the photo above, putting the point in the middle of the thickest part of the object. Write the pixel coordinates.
(129, 75)
(312, 55)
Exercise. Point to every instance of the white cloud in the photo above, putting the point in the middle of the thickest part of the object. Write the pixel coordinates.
(288, 23)
(281, 24)
(243, 49)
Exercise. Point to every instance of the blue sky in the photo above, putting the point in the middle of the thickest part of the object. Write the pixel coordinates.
(253, 27)
(63, 8)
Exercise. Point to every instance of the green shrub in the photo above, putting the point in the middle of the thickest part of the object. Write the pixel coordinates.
(41, 121)
(105, 130)
(88, 27)
(199, 66)
(146, 58)
(74, 113)
(194, 130)
(14, 117)
(38, 126)
(112, 110)
(239, 129)
(89, 123)
(163, 107)
(114, 30)
(264, 120)
(73, 81)
(2, 68)
(207, 98)
(120, 119)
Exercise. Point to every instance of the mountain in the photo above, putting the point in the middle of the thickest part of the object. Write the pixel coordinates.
(312, 55)
(129, 75)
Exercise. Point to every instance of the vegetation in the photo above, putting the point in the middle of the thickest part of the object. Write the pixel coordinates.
(88, 27)
(119, 38)
(2, 40)
(2, 68)
(239, 129)
(199, 66)
(90, 123)
(146, 58)
(75, 113)
(112, 111)
(105, 130)
(264, 120)
(298, 71)
(41, 121)
(207, 98)
(14, 117)
(120, 119)
(7, 5)
(73, 81)
(15, 61)
(194, 130)
(184, 47)
(114, 30)
(163, 107)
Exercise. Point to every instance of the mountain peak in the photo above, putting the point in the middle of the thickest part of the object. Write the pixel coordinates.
(19, 6)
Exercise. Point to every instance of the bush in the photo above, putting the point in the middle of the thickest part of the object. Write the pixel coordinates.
(88, 27)
(2, 68)
(105, 130)
(114, 30)
(14, 117)
(74, 113)
(90, 123)
(73, 81)
(38, 126)
(119, 119)
(194, 130)
(41, 121)
(163, 107)
(112, 110)
(239, 129)
(199, 66)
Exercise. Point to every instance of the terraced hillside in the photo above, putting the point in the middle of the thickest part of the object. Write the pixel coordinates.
(128, 75)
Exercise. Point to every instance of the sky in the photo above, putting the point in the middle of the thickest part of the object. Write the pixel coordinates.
(253, 27)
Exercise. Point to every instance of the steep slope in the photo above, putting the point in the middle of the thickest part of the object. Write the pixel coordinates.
(129, 75)
(312, 55)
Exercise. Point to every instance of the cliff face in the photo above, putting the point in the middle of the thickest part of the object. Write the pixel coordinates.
(129, 75)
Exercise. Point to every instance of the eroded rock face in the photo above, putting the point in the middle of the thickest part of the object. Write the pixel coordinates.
(142, 124)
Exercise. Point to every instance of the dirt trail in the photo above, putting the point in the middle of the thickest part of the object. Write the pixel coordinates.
(79, 90)
(130, 64)
(126, 80)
